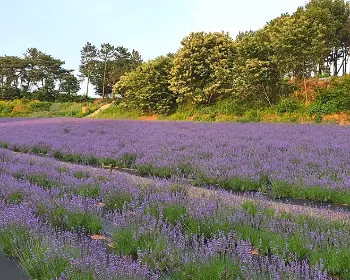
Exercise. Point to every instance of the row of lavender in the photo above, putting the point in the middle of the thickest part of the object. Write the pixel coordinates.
(51, 214)
(312, 159)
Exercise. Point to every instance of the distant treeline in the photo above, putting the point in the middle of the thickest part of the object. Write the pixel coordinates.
(40, 76)
(259, 68)
(36, 76)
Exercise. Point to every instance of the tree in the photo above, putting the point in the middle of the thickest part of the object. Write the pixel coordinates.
(256, 74)
(36, 75)
(299, 44)
(202, 71)
(106, 53)
(69, 84)
(334, 16)
(88, 58)
(12, 75)
(147, 88)
(106, 65)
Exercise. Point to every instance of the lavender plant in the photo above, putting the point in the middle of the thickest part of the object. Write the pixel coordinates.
(158, 230)
(300, 161)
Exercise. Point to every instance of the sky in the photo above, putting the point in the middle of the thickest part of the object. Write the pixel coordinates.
(153, 27)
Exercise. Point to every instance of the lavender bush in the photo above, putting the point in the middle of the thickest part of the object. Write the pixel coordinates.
(54, 218)
(301, 161)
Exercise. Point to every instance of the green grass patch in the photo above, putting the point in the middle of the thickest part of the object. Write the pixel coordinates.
(81, 175)
(16, 197)
(174, 214)
(218, 268)
(4, 145)
(116, 200)
(41, 148)
(37, 263)
(92, 191)
(41, 180)
(10, 236)
(59, 217)
(152, 244)
(314, 193)
(149, 170)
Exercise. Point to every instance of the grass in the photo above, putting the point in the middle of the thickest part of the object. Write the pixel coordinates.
(59, 217)
(267, 242)
(174, 214)
(41, 148)
(151, 243)
(218, 268)
(92, 191)
(36, 109)
(279, 189)
(117, 112)
(11, 236)
(37, 263)
(41, 180)
(116, 200)
(16, 197)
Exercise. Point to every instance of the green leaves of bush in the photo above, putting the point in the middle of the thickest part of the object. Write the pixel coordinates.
(147, 88)
(202, 70)
(333, 99)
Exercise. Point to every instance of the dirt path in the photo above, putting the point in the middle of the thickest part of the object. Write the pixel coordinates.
(102, 108)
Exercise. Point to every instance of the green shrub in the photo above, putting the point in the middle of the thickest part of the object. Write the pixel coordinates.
(147, 88)
(16, 197)
(36, 106)
(250, 116)
(216, 268)
(6, 107)
(117, 200)
(287, 105)
(332, 100)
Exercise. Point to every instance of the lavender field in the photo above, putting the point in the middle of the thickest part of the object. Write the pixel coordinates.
(300, 161)
(63, 219)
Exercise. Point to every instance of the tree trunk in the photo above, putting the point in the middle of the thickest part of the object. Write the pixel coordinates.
(104, 80)
(345, 58)
(305, 90)
(267, 97)
(335, 61)
(87, 86)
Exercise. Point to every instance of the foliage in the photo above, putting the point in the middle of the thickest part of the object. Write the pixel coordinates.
(36, 108)
(37, 75)
(257, 76)
(211, 77)
(287, 105)
(333, 99)
(147, 88)
(103, 67)
(202, 69)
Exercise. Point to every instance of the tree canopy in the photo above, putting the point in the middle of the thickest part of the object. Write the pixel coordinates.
(147, 88)
(36, 75)
(257, 67)
(202, 68)
(103, 67)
